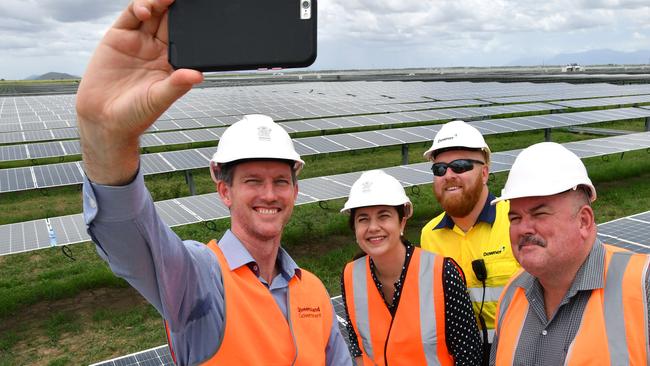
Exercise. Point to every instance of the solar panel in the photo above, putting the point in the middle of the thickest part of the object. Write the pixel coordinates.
(71, 147)
(13, 152)
(24, 236)
(154, 164)
(322, 189)
(44, 150)
(171, 138)
(207, 206)
(351, 142)
(159, 356)
(57, 175)
(185, 159)
(17, 179)
(69, 229)
(173, 214)
(632, 232)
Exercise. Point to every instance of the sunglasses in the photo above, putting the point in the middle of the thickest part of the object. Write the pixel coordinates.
(457, 166)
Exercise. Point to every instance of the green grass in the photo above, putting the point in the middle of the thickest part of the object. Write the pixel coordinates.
(31, 277)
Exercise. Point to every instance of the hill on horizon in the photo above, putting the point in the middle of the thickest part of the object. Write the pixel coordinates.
(53, 76)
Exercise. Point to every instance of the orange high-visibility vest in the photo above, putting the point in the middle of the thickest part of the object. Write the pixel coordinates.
(614, 325)
(416, 335)
(257, 333)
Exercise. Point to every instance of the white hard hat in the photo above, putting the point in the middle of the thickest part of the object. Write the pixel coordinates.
(457, 134)
(545, 169)
(255, 136)
(375, 188)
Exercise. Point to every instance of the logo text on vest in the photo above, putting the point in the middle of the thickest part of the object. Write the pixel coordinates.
(309, 312)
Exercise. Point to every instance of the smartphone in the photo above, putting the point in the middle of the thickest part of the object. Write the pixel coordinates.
(225, 35)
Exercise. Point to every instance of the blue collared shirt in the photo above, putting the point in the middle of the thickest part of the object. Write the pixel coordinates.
(181, 279)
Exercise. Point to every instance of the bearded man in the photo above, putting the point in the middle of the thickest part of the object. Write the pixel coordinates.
(470, 230)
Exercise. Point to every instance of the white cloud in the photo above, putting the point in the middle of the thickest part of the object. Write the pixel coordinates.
(359, 33)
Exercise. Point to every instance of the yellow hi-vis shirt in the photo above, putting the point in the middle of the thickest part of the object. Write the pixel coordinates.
(488, 239)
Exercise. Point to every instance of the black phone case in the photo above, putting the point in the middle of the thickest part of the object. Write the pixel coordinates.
(223, 35)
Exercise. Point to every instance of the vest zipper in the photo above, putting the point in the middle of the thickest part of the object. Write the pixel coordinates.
(293, 336)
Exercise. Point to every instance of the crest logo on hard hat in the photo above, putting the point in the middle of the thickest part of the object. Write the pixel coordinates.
(366, 186)
(264, 133)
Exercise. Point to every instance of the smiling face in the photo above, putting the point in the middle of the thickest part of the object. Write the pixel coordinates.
(551, 235)
(261, 200)
(378, 230)
(459, 193)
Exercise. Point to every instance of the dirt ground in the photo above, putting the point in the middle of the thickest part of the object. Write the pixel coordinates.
(79, 330)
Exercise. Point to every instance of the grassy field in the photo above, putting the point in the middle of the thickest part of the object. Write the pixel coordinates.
(57, 311)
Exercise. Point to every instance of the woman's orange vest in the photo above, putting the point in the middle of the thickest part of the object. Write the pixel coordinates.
(614, 325)
(416, 335)
(257, 333)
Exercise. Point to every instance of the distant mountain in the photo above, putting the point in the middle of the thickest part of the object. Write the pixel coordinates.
(52, 76)
(593, 57)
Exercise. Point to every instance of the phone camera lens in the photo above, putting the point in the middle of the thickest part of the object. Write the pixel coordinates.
(306, 4)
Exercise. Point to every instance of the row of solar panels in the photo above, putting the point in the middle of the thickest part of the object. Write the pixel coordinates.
(64, 230)
(300, 100)
(211, 118)
(53, 175)
(620, 232)
(353, 121)
(50, 112)
(72, 147)
(587, 99)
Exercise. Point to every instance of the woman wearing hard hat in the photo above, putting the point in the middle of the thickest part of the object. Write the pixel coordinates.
(404, 306)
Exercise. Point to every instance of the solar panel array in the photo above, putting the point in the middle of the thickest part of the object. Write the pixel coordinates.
(72, 147)
(54, 175)
(632, 233)
(22, 119)
(65, 230)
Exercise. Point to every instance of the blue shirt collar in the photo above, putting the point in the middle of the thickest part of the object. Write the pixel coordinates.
(237, 255)
(488, 215)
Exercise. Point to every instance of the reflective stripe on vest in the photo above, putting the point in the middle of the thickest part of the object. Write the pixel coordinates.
(614, 319)
(614, 324)
(422, 301)
(256, 331)
(492, 294)
(361, 306)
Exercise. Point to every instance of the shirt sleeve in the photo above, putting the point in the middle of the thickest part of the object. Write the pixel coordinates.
(337, 352)
(353, 340)
(176, 277)
(461, 330)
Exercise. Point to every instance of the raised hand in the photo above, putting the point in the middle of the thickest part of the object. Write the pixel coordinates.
(128, 84)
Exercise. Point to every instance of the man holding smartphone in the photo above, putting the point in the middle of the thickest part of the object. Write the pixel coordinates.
(241, 301)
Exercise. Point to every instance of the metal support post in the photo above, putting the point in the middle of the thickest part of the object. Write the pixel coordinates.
(189, 179)
(405, 154)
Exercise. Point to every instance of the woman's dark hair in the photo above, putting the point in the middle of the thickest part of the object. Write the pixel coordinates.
(400, 215)
(399, 209)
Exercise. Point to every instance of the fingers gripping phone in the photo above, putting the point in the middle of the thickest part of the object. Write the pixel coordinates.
(224, 35)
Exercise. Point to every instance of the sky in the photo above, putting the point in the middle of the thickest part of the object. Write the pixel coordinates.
(39, 36)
